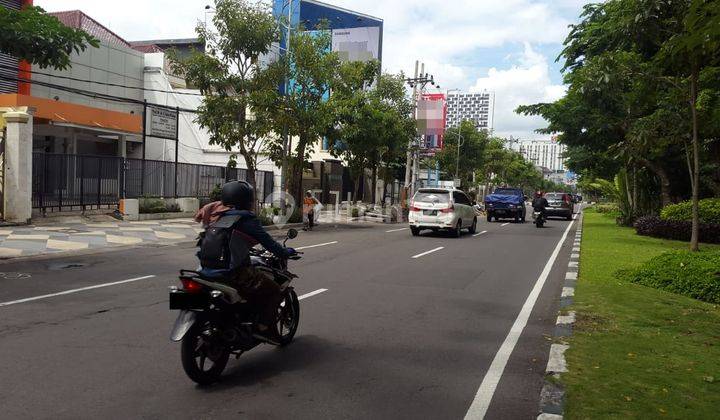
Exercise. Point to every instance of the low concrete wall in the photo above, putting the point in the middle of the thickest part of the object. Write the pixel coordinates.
(164, 216)
(130, 208)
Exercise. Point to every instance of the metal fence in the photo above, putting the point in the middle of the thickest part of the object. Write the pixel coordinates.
(67, 182)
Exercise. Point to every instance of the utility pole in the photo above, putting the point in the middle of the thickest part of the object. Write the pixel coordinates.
(409, 161)
(286, 139)
(416, 154)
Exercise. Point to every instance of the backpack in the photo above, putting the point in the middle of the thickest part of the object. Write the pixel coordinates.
(215, 250)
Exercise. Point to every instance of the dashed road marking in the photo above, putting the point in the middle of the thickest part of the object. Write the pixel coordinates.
(504, 224)
(481, 233)
(317, 245)
(428, 252)
(396, 230)
(82, 289)
(311, 294)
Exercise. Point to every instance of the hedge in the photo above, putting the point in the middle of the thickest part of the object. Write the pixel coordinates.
(709, 211)
(692, 274)
(676, 230)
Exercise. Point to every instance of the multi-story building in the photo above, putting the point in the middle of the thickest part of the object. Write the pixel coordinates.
(544, 153)
(475, 107)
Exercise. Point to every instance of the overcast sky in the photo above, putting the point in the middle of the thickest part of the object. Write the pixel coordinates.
(506, 46)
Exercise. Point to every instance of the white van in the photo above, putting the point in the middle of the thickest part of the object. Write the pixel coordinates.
(442, 208)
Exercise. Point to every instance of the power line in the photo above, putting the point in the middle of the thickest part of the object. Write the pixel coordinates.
(95, 95)
(74, 79)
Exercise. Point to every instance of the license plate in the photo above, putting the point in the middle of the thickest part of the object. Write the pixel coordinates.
(183, 300)
(500, 211)
(430, 212)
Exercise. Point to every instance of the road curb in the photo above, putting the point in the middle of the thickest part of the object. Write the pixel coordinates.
(552, 396)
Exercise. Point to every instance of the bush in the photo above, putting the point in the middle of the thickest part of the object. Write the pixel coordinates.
(606, 208)
(692, 274)
(157, 205)
(709, 210)
(676, 230)
(355, 212)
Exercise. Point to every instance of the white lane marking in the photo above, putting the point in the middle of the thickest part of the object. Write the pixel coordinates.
(82, 289)
(504, 224)
(487, 388)
(481, 233)
(315, 246)
(428, 252)
(571, 275)
(566, 319)
(311, 294)
(396, 230)
(568, 292)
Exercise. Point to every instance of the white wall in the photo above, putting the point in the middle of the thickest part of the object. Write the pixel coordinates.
(194, 141)
(107, 64)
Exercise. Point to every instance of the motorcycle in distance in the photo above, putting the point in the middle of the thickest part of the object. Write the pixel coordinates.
(215, 322)
(538, 218)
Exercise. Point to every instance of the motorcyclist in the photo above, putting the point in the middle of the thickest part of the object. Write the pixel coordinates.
(258, 286)
(539, 203)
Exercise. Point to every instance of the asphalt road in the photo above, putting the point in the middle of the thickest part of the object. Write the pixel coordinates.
(392, 337)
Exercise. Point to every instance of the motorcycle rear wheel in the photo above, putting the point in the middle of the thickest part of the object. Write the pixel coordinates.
(288, 317)
(197, 349)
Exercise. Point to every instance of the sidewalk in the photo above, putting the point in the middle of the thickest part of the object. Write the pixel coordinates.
(76, 236)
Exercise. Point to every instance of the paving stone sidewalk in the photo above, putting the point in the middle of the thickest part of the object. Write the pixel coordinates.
(77, 236)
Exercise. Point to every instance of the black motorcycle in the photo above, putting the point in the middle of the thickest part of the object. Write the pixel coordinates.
(215, 321)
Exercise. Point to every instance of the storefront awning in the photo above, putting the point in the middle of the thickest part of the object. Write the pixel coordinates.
(81, 115)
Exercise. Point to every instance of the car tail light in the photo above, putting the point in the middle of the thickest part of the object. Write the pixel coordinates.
(448, 210)
(190, 285)
(413, 208)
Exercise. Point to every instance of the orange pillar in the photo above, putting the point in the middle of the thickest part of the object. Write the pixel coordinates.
(24, 68)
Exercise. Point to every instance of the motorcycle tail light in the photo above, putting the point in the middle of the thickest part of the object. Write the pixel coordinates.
(190, 285)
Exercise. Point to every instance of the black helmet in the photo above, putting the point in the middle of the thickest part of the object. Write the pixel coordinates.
(239, 194)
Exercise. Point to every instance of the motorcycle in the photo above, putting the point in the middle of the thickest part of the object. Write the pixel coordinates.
(215, 321)
(538, 218)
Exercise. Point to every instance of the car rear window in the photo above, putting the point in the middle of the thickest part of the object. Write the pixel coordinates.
(431, 196)
(554, 196)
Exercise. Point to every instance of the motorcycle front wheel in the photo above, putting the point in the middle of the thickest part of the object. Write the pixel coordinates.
(288, 317)
(203, 356)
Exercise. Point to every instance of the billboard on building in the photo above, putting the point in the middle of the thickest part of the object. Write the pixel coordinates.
(431, 115)
(357, 44)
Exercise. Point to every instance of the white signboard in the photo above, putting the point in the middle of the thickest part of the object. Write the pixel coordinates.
(163, 123)
(357, 44)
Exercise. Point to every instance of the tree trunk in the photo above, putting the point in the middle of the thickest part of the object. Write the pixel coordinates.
(664, 180)
(695, 238)
(374, 184)
(251, 178)
(296, 166)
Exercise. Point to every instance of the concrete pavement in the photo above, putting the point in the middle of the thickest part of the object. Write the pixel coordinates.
(392, 337)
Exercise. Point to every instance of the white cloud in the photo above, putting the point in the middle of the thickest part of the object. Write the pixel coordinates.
(527, 82)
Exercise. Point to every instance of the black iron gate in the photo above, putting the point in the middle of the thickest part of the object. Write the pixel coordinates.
(78, 182)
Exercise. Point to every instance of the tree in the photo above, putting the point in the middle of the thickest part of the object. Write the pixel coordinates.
(373, 123)
(38, 38)
(472, 152)
(691, 49)
(240, 94)
(303, 113)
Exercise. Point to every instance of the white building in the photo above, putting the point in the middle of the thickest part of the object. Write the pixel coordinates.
(544, 153)
(475, 107)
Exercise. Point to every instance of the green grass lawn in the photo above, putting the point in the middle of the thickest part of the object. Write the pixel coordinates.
(638, 352)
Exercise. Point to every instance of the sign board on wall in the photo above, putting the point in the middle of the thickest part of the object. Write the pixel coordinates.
(163, 123)
(357, 44)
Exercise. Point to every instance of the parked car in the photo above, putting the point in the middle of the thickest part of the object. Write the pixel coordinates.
(560, 204)
(442, 209)
(506, 203)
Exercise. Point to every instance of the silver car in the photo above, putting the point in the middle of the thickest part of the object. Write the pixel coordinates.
(442, 209)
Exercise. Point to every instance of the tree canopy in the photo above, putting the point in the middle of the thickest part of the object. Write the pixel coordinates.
(32, 35)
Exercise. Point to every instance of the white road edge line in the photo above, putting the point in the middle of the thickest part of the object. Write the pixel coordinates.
(311, 294)
(487, 388)
(396, 230)
(428, 252)
(315, 246)
(504, 224)
(481, 233)
(82, 289)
